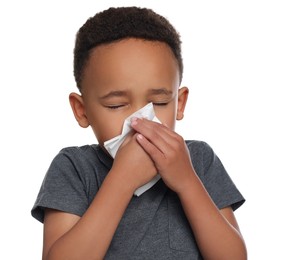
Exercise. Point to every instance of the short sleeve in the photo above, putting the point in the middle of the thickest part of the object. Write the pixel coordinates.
(62, 189)
(217, 181)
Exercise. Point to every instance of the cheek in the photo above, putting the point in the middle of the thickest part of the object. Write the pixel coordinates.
(170, 122)
(106, 129)
(167, 116)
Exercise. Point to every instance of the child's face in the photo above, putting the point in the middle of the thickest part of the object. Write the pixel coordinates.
(122, 77)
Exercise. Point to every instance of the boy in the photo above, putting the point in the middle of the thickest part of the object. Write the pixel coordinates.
(125, 58)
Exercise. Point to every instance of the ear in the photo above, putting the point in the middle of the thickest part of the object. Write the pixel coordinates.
(182, 98)
(77, 105)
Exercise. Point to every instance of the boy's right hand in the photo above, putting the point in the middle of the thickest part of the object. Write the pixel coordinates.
(132, 164)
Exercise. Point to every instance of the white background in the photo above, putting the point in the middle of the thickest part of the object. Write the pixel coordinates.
(232, 58)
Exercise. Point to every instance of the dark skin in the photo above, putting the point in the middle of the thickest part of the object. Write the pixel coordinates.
(112, 89)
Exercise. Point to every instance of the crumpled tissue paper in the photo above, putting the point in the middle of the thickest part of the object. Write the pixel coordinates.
(113, 144)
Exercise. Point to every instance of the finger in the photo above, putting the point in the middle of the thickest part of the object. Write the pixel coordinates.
(128, 138)
(156, 133)
(155, 154)
(153, 133)
(166, 140)
(141, 122)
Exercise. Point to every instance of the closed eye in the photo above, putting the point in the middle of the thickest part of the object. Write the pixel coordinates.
(161, 104)
(114, 107)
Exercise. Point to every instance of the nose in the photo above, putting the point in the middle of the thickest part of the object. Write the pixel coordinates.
(138, 106)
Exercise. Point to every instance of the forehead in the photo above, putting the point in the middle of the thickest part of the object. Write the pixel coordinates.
(131, 60)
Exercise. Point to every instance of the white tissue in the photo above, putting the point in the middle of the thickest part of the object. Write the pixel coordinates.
(113, 144)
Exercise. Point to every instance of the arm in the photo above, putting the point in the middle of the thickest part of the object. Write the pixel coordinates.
(67, 236)
(216, 232)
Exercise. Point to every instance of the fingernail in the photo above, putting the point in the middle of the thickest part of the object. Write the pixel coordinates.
(134, 120)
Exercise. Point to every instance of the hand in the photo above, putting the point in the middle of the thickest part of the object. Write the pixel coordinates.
(133, 164)
(168, 151)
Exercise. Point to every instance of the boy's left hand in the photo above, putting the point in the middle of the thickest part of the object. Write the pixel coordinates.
(168, 151)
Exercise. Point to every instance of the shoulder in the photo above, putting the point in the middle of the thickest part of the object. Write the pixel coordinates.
(74, 151)
(71, 162)
(202, 155)
(71, 181)
(214, 176)
(87, 161)
(199, 148)
(74, 162)
(79, 154)
(198, 145)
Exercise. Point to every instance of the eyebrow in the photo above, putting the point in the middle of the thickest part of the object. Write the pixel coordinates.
(160, 91)
(123, 93)
(116, 93)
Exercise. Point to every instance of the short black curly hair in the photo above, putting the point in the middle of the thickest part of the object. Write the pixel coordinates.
(119, 23)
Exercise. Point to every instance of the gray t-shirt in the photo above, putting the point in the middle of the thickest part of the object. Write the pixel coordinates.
(154, 225)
